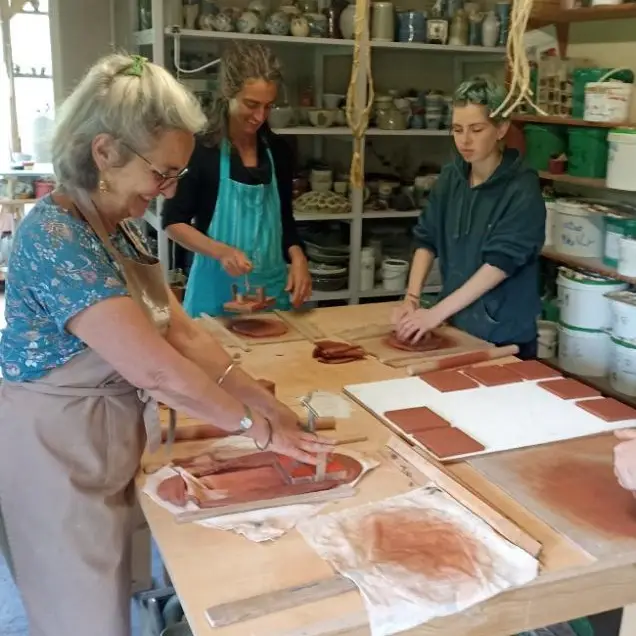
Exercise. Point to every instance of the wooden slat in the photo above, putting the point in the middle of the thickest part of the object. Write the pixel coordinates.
(568, 121)
(585, 14)
(590, 264)
(580, 181)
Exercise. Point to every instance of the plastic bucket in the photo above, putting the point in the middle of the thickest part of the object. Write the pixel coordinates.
(578, 230)
(623, 308)
(542, 143)
(607, 101)
(626, 257)
(548, 339)
(551, 208)
(621, 158)
(584, 351)
(587, 152)
(616, 227)
(584, 75)
(394, 273)
(623, 366)
(583, 301)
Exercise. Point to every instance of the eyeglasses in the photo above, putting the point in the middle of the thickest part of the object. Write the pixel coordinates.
(163, 179)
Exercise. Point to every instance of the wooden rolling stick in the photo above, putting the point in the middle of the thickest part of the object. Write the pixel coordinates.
(462, 359)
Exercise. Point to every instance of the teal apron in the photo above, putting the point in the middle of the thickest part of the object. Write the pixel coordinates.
(248, 218)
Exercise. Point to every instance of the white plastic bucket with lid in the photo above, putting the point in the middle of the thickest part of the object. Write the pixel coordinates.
(547, 340)
(578, 229)
(584, 351)
(626, 256)
(622, 375)
(582, 299)
(550, 220)
(621, 159)
(607, 100)
(623, 307)
(394, 273)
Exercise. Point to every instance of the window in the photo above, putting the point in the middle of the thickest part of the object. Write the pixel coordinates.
(33, 80)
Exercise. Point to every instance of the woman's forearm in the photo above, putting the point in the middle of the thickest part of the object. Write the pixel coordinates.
(483, 280)
(421, 266)
(195, 241)
(295, 252)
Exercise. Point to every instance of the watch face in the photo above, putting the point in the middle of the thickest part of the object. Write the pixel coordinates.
(246, 423)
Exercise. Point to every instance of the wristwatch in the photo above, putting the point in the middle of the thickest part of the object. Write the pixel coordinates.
(246, 421)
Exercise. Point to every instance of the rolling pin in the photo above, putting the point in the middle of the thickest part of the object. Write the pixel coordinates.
(462, 359)
(207, 431)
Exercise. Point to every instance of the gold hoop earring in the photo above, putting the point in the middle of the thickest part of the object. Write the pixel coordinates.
(103, 186)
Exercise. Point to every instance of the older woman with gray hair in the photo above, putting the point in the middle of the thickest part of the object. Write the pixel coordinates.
(234, 207)
(93, 337)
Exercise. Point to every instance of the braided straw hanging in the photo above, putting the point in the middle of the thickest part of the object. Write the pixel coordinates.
(518, 61)
(358, 115)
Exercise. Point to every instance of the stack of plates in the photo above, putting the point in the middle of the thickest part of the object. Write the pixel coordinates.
(328, 277)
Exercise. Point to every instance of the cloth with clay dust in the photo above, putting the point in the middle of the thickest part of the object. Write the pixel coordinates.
(417, 556)
(267, 524)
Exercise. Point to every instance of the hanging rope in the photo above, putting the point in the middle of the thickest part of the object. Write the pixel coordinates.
(519, 90)
(357, 113)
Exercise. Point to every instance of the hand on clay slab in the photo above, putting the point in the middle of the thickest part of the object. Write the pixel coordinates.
(406, 308)
(414, 326)
(297, 444)
(625, 459)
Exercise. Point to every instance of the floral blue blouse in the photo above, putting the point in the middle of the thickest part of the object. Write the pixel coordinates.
(57, 268)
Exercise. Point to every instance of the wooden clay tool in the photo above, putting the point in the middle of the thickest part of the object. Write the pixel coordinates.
(248, 303)
(462, 359)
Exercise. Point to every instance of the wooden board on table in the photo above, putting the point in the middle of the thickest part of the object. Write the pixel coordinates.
(501, 418)
(572, 487)
(223, 324)
(372, 338)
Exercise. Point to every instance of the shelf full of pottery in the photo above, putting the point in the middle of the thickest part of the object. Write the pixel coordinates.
(449, 25)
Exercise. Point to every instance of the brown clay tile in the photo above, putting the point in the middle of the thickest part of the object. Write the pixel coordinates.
(608, 409)
(415, 419)
(569, 389)
(448, 381)
(495, 375)
(448, 442)
(533, 370)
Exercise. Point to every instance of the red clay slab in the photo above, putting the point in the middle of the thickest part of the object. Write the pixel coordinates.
(448, 381)
(569, 389)
(608, 409)
(448, 442)
(492, 376)
(417, 419)
(533, 370)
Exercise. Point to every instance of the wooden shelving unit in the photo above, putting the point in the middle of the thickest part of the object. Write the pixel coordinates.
(580, 181)
(583, 14)
(590, 264)
(568, 121)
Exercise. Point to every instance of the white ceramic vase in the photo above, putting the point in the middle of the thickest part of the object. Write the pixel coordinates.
(383, 23)
(490, 30)
(347, 21)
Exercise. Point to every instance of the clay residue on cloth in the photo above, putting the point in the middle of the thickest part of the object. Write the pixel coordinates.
(430, 341)
(334, 352)
(417, 556)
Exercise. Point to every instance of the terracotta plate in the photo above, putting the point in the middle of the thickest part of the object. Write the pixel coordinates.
(419, 418)
(608, 409)
(430, 342)
(448, 442)
(492, 376)
(569, 389)
(533, 370)
(448, 381)
(259, 327)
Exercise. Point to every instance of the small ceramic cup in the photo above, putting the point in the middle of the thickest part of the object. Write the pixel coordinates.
(341, 187)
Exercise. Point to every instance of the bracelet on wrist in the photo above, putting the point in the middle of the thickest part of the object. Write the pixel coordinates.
(225, 373)
(270, 435)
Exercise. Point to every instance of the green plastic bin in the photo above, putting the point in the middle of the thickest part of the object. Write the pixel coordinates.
(543, 142)
(587, 152)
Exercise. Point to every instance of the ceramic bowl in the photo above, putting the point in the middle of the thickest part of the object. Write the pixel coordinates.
(332, 100)
(278, 23)
(322, 117)
(280, 116)
(249, 22)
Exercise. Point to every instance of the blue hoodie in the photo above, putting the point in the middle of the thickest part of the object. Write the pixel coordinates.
(500, 222)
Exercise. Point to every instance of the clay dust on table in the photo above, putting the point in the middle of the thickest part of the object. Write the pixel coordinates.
(587, 492)
(426, 543)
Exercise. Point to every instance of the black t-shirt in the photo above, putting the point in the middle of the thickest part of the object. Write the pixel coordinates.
(196, 195)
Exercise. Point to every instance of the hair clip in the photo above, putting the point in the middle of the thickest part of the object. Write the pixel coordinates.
(137, 65)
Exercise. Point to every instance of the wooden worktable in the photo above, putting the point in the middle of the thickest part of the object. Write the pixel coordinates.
(208, 567)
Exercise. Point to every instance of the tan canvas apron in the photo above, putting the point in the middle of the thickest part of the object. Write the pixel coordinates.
(70, 445)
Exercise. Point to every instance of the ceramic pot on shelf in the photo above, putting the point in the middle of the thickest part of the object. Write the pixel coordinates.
(299, 27)
(490, 30)
(347, 21)
(249, 22)
(278, 23)
(383, 22)
(190, 15)
(207, 13)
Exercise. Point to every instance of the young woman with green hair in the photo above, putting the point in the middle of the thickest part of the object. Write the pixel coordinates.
(485, 221)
